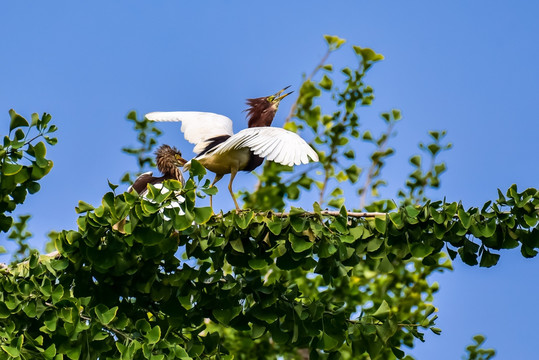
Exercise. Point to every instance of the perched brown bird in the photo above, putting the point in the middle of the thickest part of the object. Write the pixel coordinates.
(223, 152)
(168, 160)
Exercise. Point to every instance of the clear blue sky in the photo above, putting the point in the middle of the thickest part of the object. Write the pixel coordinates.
(467, 67)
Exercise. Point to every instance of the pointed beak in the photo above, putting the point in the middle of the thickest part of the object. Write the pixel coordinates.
(182, 161)
(279, 97)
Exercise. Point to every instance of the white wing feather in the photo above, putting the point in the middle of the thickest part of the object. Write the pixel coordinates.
(272, 143)
(197, 127)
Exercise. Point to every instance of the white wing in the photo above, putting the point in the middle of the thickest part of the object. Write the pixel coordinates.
(272, 143)
(197, 127)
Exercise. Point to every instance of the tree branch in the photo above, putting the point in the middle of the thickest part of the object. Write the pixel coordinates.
(372, 168)
(329, 213)
(52, 255)
(295, 105)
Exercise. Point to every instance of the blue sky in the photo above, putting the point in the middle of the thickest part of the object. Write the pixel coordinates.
(467, 67)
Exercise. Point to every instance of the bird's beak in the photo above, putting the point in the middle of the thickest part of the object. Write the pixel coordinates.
(279, 97)
(182, 161)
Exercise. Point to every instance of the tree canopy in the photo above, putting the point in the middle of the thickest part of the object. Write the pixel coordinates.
(271, 280)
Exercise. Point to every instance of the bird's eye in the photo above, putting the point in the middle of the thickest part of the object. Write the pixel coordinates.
(270, 98)
(177, 156)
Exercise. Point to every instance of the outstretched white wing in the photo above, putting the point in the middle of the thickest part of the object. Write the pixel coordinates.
(197, 127)
(272, 143)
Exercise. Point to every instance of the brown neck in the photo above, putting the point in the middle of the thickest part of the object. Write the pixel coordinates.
(260, 112)
(264, 119)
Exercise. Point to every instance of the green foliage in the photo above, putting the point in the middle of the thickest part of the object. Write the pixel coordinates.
(336, 136)
(22, 165)
(305, 282)
(419, 179)
(476, 352)
(184, 283)
(147, 134)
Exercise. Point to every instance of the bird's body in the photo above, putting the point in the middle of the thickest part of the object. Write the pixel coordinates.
(223, 152)
(168, 160)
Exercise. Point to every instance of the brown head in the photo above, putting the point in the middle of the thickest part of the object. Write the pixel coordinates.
(262, 110)
(169, 160)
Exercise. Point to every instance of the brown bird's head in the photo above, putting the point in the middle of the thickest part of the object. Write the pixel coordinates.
(262, 110)
(169, 160)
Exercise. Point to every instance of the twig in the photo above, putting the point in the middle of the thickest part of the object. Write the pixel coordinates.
(54, 255)
(295, 104)
(373, 167)
(87, 318)
(332, 213)
(381, 323)
(35, 137)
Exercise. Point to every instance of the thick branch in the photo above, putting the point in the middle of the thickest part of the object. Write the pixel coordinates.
(334, 213)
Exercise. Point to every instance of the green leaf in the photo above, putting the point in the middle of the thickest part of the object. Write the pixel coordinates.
(387, 330)
(40, 150)
(298, 244)
(380, 225)
(202, 214)
(197, 170)
(111, 185)
(326, 83)
(12, 351)
(416, 160)
(278, 335)
(4, 311)
(275, 226)
(297, 223)
(531, 220)
(211, 190)
(16, 121)
(382, 312)
(183, 222)
(328, 343)
(237, 245)
(257, 331)
(57, 293)
(73, 352)
(11, 169)
(353, 173)
(33, 187)
(420, 250)
(267, 315)
(334, 42)
(488, 259)
(367, 135)
(385, 265)
(148, 236)
(154, 335)
(257, 264)
(83, 207)
(104, 314)
(464, 217)
(243, 219)
(367, 54)
(50, 352)
(225, 315)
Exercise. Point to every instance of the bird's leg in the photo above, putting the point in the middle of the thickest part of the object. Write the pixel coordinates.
(233, 173)
(217, 178)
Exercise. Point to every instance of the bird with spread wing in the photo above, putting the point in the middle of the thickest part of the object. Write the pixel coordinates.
(221, 151)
